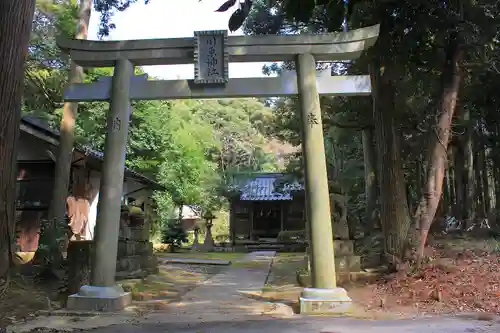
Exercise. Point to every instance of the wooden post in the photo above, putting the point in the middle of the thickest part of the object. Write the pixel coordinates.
(232, 231)
(250, 218)
(282, 216)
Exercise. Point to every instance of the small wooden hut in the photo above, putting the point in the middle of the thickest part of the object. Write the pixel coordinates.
(264, 204)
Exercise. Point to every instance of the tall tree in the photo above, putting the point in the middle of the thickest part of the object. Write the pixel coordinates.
(67, 127)
(370, 178)
(438, 147)
(15, 27)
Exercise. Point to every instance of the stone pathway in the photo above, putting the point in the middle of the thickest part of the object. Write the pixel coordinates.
(218, 305)
(315, 325)
(222, 297)
(218, 298)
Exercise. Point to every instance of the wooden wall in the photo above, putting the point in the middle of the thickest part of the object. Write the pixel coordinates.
(241, 216)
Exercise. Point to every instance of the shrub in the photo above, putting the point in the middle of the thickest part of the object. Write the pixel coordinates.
(173, 234)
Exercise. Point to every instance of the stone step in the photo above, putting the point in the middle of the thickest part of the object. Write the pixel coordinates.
(166, 260)
(342, 247)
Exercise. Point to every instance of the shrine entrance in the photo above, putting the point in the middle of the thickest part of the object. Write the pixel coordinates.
(211, 52)
(267, 219)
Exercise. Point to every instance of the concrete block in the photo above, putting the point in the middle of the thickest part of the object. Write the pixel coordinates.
(325, 301)
(104, 299)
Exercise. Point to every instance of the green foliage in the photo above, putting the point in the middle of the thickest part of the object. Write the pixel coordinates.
(411, 45)
(173, 234)
(187, 146)
(220, 228)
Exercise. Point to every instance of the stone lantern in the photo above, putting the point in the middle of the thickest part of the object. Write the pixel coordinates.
(196, 242)
(208, 244)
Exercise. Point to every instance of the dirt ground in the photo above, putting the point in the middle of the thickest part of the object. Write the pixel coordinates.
(460, 276)
(24, 298)
(174, 280)
(21, 300)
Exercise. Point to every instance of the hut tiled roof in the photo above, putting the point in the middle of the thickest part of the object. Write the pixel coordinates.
(266, 187)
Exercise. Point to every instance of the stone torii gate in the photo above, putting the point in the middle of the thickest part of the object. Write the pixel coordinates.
(211, 52)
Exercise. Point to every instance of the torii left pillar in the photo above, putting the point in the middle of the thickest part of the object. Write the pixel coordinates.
(104, 294)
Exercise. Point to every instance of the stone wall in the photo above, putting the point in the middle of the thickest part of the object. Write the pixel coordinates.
(135, 257)
(347, 264)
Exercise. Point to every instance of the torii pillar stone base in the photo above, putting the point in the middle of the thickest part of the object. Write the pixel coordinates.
(104, 294)
(95, 298)
(324, 297)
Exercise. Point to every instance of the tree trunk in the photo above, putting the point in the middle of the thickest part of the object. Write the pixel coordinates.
(483, 165)
(394, 213)
(438, 155)
(449, 191)
(478, 174)
(67, 128)
(469, 213)
(495, 154)
(490, 177)
(370, 178)
(446, 192)
(451, 180)
(419, 180)
(16, 18)
(459, 170)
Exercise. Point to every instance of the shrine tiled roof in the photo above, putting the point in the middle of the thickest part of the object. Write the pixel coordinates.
(266, 187)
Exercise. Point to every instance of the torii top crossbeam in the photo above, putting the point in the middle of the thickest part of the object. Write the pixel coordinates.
(211, 51)
(177, 51)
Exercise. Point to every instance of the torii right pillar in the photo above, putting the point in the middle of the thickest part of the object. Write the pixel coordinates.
(324, 297)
